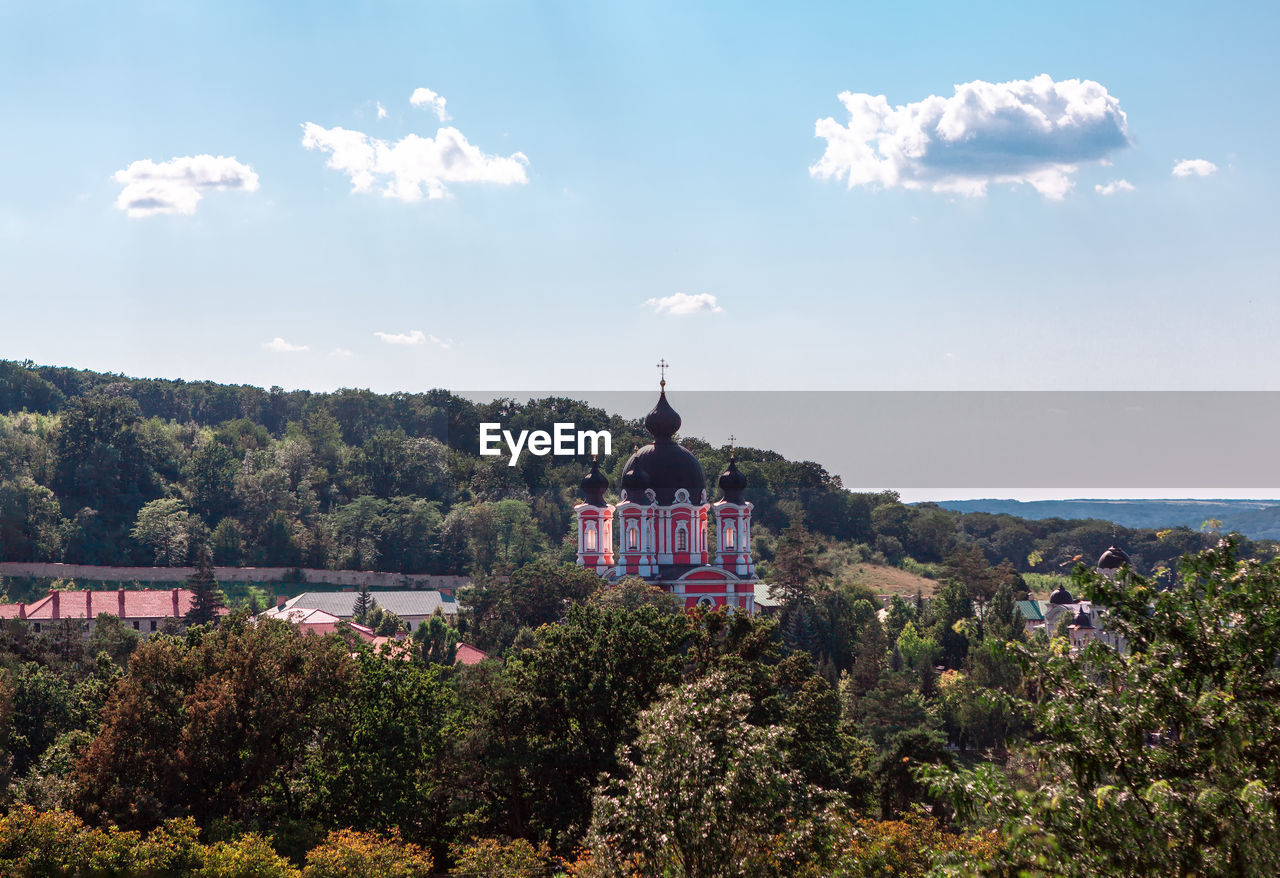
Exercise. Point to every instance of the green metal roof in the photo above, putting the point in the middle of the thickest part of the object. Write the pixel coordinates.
(1030, 610)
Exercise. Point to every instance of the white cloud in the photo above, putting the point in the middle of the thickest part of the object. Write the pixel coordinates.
(176, 186)
(1194, 168)
(279, 346)
(425, 97)
(412, 163)
(341, 354)
(1035, 131)
(680, 304)
(1113, 187)
(382, 111)
(417, 336)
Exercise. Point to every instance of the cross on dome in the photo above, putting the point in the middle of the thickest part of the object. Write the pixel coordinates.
(662, 373)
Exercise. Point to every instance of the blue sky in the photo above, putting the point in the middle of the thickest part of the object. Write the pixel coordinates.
(635, 151)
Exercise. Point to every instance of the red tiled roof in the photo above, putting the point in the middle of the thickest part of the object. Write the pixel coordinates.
(469, 655)
(127, 603)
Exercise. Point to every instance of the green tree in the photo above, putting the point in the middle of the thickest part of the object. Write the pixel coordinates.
(164, 527)
(363, 605)
(1162, 758)
(701, 791)
(206, 598)
(437, 640)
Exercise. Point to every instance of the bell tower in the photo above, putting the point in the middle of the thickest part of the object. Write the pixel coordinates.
(595, 523)
(733, 522)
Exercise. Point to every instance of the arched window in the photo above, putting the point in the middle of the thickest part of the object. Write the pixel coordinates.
(730, 535)
(682, 539)
(633, 538)
(591, 538)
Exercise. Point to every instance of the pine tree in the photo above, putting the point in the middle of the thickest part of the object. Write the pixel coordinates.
(206, 597)
(364, 604)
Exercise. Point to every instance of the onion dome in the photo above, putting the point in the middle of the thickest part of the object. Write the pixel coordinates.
(665, 466)
(1060, 595)
(663, 422)
(1113, 559)
(594, 484)
(1083, 618)
(634, 482)
(732, 482)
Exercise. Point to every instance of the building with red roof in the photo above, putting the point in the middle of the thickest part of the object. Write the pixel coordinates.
(144, 610)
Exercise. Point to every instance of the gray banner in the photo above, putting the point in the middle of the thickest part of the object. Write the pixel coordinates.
(955, 443)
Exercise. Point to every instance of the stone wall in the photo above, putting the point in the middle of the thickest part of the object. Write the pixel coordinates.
(356, 578)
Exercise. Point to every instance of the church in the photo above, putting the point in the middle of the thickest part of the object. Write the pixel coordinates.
(658, 529)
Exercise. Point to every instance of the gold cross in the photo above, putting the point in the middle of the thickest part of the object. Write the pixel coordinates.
(662, 371)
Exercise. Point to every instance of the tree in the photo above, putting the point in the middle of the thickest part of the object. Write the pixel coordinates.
(164, 526)
(206, 597)
(701, 791)
(438, 641)
(365, 603)
(1164, 757)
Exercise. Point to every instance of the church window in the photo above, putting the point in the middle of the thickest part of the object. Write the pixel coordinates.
(682, 539)
(730, 532)
(591, 538)
(633, 539)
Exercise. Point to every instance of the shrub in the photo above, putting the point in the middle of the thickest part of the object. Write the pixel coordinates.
(347, 853)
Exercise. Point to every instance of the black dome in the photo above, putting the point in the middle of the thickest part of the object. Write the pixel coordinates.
(664, 465)
(1083, 619)
(664, 421)
(594, 484)
(634, 482)
(732, 482)
(1060, 595)
(1113, 559)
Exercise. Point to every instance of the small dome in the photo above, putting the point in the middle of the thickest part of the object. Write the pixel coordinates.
(1113, 559)
(1060, 595)
(732, 482)
(594, 484)
(1083, 618)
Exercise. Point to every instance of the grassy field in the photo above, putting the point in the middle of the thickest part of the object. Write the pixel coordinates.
(891, 580)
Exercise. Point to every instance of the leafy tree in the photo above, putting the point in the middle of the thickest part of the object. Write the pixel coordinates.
(1161, 758)
(535, 594)
(378, 760)
(384, 622)
(164, 526)
(110, 636)
(217, 726)
(701, 791)
(437, 640)
(495, 858)
(349, 854)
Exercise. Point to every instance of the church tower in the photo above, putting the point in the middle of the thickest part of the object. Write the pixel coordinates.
(595, 523)
(733, 523)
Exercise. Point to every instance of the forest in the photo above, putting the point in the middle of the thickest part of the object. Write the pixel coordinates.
(102, 469)
(611, 733)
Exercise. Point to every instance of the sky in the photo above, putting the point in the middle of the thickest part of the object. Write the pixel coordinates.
(549, 196)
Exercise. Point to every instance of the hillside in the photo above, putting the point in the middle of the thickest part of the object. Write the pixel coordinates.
(1258, 519)
(103, 469)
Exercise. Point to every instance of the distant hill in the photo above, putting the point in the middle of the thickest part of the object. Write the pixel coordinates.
(1258, 519)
